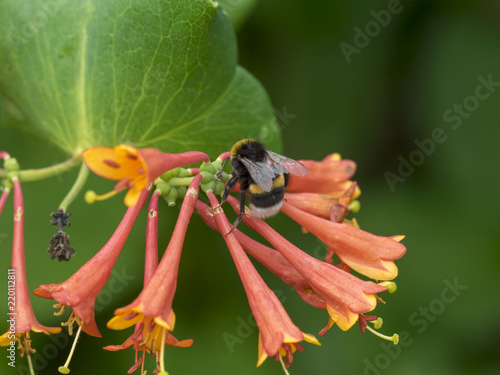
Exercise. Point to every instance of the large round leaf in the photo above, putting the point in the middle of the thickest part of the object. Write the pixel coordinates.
(153, 73)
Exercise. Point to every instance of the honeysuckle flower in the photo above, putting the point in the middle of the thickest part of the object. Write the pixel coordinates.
(81, 289)
(319, 202)
(345, 295)
(329, 176)
(326, 191)
(153, 307)
(269, 258)
(152, 345)
(278, 336)
(3, 198)
(21, 317)
(134, 168)
(323, 205)
(150, 263)
(5, 188)
(366, 253)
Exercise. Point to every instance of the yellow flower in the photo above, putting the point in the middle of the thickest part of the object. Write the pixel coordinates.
(80, 291)
(366, 253)
(21, 317)
(278, 335)
(152, 311)
(134, 168)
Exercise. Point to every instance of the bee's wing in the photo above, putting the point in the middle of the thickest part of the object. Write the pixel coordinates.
(261, 173)
(282, 164)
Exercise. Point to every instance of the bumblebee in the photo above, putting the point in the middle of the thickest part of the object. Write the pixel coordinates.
(264, 174)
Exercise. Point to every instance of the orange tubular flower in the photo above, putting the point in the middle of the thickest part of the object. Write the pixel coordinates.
(151, 262)
(329, 176)
(269, 258)
(21, 317)
(324, 205)
(345, 295)
(81, 289)
(364, 252)
(134, 168)
(152, 309)
(3, 198)
(6, 190)
(278, 335)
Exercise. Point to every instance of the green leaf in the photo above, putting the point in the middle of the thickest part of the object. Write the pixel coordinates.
(234, 116)
(152, 73)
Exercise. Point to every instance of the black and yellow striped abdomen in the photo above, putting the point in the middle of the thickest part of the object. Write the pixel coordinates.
(267, 203)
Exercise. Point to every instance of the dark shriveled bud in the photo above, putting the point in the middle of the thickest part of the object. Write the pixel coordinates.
(59, 243)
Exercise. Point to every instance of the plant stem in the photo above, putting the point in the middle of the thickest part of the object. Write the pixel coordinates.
(43, 173)
(76, 188)
(65, 369)
(3, 198)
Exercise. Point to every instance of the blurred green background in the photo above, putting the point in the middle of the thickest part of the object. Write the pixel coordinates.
(373, 104)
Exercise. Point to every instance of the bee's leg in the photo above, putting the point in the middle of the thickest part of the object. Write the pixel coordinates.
(229, 185)
(242, 211)
(219, 173)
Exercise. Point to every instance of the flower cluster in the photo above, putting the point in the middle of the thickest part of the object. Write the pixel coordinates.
(136, 170)
(319, 202)
(21, 318)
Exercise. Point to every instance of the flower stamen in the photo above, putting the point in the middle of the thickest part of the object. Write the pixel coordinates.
(61, 311)
(91, 196)
(65, 369)
(394, 338)
(363, 321)
(145, 341)
(283, 365)
(390, 285)
(354, 206)
(125, 182)
(72, 318)
(24, 345)
(162, 352)
(377, 323)
(153, 345)
(30, 364)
